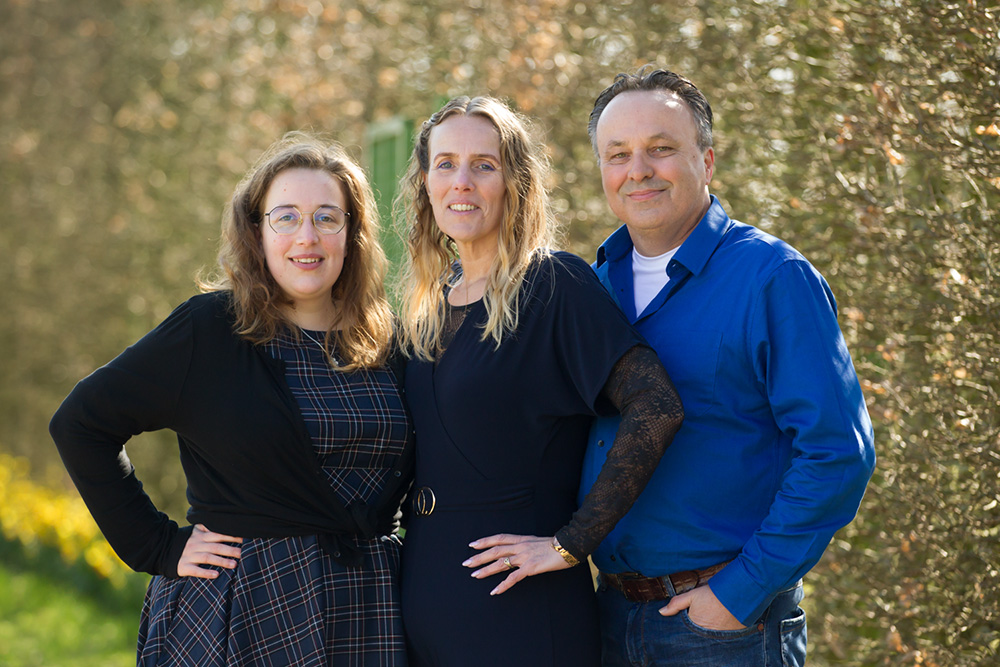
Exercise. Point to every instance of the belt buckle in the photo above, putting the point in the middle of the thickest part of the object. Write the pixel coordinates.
(424, 501)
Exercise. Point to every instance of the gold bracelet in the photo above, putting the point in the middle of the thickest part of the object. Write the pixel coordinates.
(567, 556)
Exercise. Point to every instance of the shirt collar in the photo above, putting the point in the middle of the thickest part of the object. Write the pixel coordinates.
(701, 243)
(694, 253)
(615, 246)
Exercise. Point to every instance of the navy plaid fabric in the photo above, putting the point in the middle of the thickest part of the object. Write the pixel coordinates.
(288, 603)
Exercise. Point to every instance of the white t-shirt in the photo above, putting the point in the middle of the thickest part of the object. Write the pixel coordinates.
(649, 275)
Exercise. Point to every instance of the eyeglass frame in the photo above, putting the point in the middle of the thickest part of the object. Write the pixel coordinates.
(312, 218)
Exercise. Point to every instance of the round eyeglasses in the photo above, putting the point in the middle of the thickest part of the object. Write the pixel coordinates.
(326, 219)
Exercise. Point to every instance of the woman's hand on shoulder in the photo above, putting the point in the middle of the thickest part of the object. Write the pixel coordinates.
(520, 555)
(207, 548)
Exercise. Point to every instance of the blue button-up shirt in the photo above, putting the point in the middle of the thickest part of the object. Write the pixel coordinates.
(776, 446)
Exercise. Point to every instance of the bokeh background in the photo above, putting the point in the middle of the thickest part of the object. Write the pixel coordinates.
(865, 133)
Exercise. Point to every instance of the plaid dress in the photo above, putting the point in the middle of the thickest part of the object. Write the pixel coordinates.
(288, 602)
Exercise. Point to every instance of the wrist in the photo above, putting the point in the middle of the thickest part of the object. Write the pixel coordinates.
(566, 556)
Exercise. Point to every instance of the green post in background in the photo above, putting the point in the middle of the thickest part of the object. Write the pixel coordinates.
(389, 145)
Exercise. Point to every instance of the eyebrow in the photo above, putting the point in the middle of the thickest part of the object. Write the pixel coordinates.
(475, 156)
(615, 143)
(317, 208)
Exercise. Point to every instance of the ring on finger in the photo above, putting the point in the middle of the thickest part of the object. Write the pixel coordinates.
(508, 564)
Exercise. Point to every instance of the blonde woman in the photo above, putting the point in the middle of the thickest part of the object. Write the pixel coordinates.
(514, 348)
(293, 436)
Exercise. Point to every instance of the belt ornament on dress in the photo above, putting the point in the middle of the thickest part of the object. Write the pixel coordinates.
(424, 501)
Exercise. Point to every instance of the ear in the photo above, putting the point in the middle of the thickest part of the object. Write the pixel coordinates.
(709, 165)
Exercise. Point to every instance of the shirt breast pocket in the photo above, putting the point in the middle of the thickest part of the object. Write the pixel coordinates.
(691, 357)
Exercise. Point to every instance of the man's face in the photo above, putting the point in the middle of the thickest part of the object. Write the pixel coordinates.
(655, 177)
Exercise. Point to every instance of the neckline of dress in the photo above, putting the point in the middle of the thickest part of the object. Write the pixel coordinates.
(464, 306)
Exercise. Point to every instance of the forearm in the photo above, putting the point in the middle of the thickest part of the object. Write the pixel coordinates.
(651, 412)
(817, 498)
(136, 392)
(96, 461)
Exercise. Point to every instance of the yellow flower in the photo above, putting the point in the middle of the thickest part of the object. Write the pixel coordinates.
(37, 516)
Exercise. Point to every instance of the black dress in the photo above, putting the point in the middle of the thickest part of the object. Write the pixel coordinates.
(500, 439)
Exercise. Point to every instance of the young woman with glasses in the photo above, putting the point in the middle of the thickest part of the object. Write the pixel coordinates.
(292, 431)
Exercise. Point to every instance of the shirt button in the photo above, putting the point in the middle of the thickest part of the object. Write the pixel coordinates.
(398, 474)
(600, 443)
(336, 554)
(613, 558)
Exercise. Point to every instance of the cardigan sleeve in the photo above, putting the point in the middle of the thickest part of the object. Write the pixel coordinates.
(137, 391)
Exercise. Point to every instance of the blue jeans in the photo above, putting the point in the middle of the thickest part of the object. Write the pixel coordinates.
(633, 634)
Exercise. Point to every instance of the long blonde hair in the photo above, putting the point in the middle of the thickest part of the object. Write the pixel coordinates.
(365, 317)
(526, 232)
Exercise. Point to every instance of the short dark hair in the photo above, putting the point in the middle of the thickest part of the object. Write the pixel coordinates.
(659, 79)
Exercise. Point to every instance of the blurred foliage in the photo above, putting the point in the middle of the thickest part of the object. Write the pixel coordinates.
(56, 614)
(65, 597)
(46, 621)
(38, 518)
(866, 134)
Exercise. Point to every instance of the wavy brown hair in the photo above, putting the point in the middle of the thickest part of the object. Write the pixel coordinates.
(364, 328)
(526, 231)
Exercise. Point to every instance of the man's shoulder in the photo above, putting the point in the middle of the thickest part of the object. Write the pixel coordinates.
(754, 254)
(753, 241)
(757, 262)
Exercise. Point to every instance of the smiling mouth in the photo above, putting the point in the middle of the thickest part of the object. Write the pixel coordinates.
(462, 207)
(307, 260)
(642, 194)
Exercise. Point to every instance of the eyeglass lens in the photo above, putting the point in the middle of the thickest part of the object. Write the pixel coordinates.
(326, 219)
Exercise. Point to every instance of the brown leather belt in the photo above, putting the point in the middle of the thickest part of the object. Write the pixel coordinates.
(637, 588)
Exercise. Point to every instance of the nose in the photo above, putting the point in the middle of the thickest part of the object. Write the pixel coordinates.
(306, 234)
(463, 178)
(640, 168)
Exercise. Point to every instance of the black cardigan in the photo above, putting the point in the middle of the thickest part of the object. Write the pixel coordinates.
(250, 466)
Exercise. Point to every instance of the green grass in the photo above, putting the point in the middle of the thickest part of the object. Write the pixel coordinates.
(56, 615)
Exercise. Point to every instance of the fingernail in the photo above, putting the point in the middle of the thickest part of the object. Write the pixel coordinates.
(466, 562)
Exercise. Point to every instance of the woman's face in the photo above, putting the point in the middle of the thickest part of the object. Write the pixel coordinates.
(465, 182)
(305, 263)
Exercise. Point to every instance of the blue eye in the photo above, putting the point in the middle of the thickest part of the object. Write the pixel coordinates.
(444, 164)
(324, 218)
(284, 215)
(486, 166)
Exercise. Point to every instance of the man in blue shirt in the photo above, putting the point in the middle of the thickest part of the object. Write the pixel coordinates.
(776, 447)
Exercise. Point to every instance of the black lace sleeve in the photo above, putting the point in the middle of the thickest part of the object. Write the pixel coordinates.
(651, 414)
